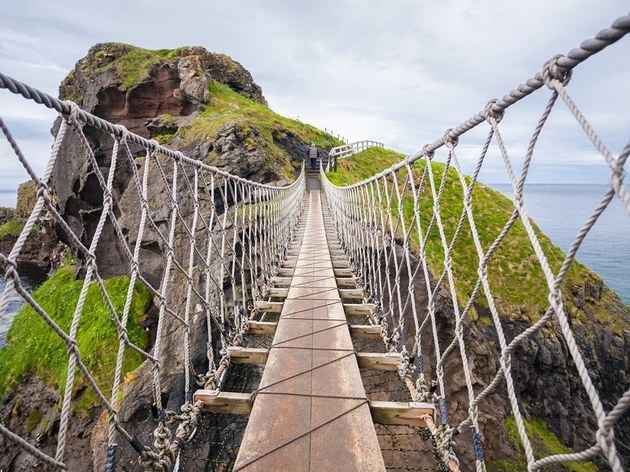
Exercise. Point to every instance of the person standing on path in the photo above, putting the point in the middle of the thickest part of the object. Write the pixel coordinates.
(312, 154)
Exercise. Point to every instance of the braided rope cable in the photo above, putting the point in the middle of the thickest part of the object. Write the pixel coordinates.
(382, 216)
(369, 219)
(250, 211)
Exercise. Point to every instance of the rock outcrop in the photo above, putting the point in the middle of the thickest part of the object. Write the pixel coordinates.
(177, 97)
(42, 252)
(6, 214)
(203, 104)
(26, 200)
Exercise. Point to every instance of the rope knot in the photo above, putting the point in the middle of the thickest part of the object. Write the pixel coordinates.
(554, 71)
(605, 438)
(444, 444)
(42, 190)
(449, 139)
(491, 113)
(123, 131)
(11, 266)
(74, 111)
(425, 152)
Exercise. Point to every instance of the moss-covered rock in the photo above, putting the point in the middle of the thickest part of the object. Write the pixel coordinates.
(26, 200)
(34, 363)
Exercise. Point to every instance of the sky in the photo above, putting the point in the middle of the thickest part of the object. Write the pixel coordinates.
(400, 72)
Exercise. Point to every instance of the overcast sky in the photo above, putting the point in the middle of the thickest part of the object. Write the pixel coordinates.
(400, 72)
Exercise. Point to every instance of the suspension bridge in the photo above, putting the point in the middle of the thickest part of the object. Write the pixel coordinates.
(334, 290)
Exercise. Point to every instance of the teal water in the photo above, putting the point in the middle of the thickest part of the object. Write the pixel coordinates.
(561, 210)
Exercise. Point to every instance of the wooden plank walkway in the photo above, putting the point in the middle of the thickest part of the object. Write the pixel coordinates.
(311, 411)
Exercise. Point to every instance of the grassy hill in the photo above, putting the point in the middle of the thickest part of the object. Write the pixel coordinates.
(515, 276)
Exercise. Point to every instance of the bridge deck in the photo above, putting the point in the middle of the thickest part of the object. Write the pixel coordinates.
(311, 411)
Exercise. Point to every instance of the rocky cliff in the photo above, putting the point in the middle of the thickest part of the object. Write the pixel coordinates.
(42, 252)
(203, 104)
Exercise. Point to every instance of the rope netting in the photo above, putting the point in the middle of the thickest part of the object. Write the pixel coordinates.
(405, 241)
(218, 239)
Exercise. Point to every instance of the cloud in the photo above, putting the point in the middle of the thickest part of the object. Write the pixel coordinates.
(401, 73)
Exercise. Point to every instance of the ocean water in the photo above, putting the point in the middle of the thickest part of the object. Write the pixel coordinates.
(561, 210)
(8, 198)
(15, 303)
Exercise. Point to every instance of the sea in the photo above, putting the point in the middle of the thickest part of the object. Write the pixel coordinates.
(15, 303)
(560, 211)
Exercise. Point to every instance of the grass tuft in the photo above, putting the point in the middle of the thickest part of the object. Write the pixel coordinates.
(11, 228)
(33, 347)
(136, 65)
(544, 443)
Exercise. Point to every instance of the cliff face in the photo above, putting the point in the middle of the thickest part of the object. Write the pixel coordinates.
(203, 104)
(42, 252)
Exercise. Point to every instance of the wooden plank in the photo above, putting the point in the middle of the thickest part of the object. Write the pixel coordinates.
(343, 272)
(289, 264)
(233, 403)
(401, 413)
(269, 307)
(281, 281)
(377, 360)
(341, 264)
(366, 331)
(262, 327)
(278, 292)
(351, 293)
(347, 282)
(247, 355)
(311, 413)
(286, 271)
(366, 309)
(339, 257)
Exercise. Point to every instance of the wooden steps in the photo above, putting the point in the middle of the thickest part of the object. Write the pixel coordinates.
(383, 412)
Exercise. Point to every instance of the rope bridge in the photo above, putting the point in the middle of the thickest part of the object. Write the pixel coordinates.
(222, 242)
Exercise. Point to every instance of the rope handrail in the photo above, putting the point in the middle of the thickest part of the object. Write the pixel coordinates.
(352, 148)
(347, 150)
(66, 107)
(410, 231)
(219, 227)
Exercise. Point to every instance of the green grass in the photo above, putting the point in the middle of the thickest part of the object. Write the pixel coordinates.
(11, 228)
(363, 165)
(544, 443)
(33, 348)
(135, 66)
(515, 276)
(256, 124)
(33, 420)
(164, 138)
